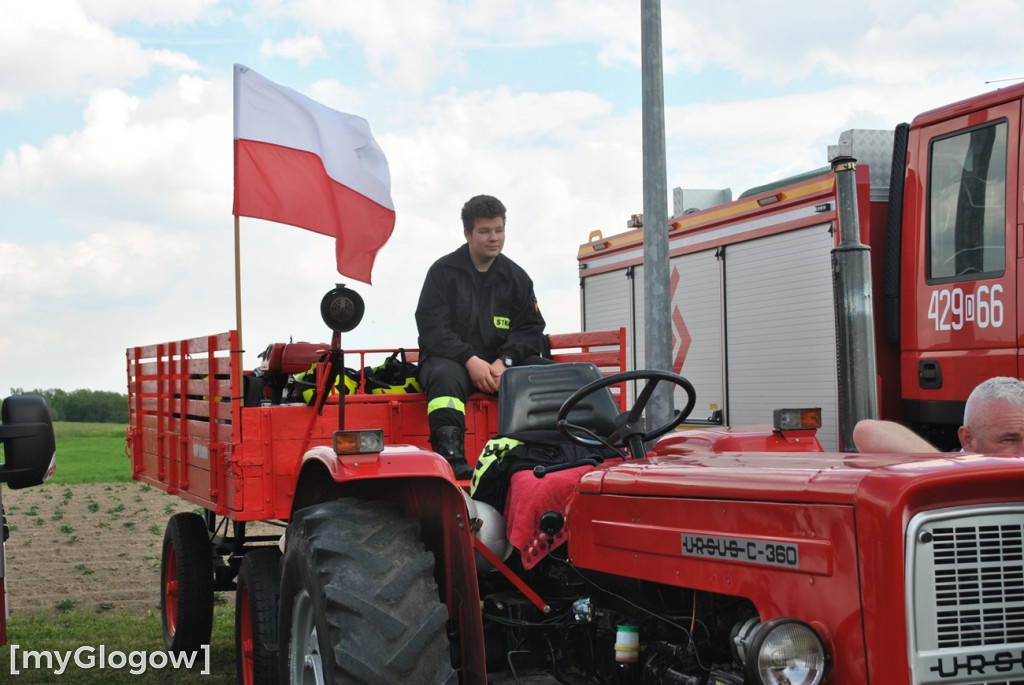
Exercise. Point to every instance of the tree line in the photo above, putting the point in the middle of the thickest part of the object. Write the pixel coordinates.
(87, 406)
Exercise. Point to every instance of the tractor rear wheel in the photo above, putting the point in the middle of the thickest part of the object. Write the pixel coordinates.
(186, 583)
(256, 617)
(358, 599)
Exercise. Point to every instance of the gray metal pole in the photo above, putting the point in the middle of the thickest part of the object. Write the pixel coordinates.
(851, 282)
(657, 302)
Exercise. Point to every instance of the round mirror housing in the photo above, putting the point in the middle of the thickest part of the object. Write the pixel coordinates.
(342, 309)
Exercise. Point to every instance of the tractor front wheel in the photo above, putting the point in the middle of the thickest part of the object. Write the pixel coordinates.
(358, 599)
(186, 583)
(256, 617)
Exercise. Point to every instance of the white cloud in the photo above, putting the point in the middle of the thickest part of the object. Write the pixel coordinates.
(875, 42)
(56, 48)
(149, 12)
(406, 41)
(302, 49)
(165, 157)
(76, 306)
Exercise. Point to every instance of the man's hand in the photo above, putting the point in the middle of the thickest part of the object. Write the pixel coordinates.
(482, 374)
(497, 368)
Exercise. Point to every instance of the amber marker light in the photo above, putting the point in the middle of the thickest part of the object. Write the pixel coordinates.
(358, 442)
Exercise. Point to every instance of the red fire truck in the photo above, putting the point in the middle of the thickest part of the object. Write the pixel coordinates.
(26, 433)
(752, 307)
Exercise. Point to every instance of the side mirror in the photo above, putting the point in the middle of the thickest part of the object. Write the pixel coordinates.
(26, 433)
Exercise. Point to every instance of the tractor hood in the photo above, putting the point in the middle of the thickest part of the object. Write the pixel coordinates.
(816, 536)
(678, 468)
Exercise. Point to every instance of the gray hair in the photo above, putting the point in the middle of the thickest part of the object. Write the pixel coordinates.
(998, 388)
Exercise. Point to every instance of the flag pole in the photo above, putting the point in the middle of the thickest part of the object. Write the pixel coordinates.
(238, 286)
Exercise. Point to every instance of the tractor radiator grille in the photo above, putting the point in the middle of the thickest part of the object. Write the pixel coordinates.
(965, 593)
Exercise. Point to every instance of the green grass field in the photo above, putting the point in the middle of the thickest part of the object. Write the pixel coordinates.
(116, 632)
(91, 453)
(95, 453)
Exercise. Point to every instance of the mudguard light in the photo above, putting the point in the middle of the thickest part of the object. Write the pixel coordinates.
(781, 651)
(796, 419)
(358, 442)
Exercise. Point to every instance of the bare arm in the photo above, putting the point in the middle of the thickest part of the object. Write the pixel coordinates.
(886, 436)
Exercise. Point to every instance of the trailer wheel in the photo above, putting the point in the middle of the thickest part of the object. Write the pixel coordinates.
(259, 578)
(186, 583)
(358, 599)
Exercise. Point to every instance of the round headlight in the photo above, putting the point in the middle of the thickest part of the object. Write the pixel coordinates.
(784, 651)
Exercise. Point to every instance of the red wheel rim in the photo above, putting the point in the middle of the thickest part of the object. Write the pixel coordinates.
(171, 590)
(245, 636)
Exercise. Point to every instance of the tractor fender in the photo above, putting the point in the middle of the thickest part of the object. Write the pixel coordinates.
(393, 462)
(424, 485)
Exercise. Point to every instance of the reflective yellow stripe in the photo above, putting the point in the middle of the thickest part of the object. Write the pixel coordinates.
(502, 445)
(493, 452)
(446, 403)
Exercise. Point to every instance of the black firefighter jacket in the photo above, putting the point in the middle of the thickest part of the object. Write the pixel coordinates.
(456, 319)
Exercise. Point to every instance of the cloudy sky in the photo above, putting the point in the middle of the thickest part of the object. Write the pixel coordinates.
(116, 143)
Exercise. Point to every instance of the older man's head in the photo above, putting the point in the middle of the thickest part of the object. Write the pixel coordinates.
(994, 417)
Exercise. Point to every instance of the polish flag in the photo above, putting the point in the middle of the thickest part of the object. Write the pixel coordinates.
(298, 162)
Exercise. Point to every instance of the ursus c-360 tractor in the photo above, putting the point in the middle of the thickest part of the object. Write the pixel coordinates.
(593, 550)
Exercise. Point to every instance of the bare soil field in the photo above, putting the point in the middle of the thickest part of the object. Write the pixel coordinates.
(94, 547)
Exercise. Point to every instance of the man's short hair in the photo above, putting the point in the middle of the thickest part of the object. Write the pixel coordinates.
(481, 207)
(997, 388)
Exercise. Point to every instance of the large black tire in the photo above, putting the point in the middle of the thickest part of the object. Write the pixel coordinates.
(358, 599)
(186, 583)
(259, 579)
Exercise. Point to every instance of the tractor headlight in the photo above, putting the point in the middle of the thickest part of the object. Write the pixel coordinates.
(781, 651)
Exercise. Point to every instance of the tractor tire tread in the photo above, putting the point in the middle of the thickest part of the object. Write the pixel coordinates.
(376, 580)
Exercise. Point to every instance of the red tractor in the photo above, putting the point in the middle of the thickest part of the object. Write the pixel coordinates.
(594, 550)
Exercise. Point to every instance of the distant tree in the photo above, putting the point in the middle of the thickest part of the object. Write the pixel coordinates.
(88, 406)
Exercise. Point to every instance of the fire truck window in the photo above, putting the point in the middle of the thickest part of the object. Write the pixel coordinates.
(967, 205)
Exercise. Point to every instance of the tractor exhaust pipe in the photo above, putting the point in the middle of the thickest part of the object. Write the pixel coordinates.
(851, 287)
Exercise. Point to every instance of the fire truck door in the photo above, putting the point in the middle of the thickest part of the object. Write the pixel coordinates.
(961, 240)
(1016, 142)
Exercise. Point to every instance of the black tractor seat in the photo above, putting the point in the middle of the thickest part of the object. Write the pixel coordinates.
(529, 398)
(534, 504)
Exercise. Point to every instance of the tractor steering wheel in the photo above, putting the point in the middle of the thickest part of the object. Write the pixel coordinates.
(629, 431)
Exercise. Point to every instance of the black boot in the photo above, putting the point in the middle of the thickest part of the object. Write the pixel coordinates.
(447, 441)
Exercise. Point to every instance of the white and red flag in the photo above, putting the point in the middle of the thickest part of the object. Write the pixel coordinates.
(301, 163)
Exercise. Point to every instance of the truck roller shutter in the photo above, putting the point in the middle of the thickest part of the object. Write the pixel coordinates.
(606, 305)
(697, 299)
(781, 328)
(638, 321)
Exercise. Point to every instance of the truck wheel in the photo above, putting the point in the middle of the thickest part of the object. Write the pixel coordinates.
(358, 599)
(186, 583)
(256, 617)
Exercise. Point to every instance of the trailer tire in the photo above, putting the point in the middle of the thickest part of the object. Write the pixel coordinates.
(259, 579)
(186, 583)
(358, 599)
